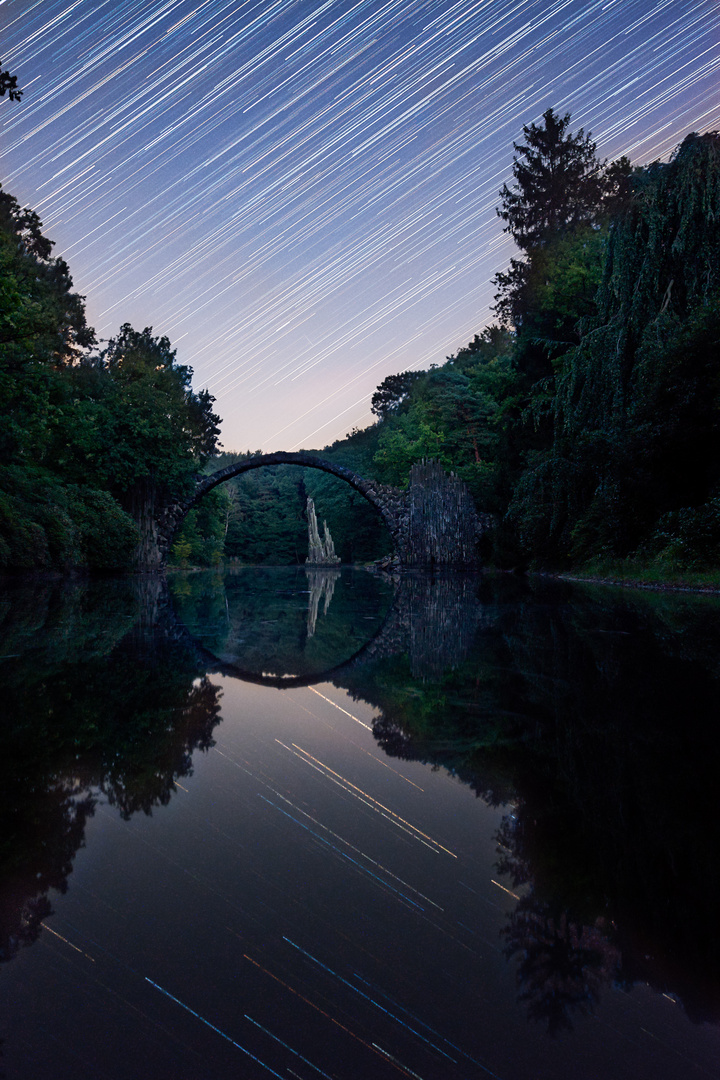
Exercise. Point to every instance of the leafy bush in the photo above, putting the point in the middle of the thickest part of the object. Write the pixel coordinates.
(45, 524)
(688, 539)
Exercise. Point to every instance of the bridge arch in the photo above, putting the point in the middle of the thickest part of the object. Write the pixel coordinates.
(381, 643)
(388, 501)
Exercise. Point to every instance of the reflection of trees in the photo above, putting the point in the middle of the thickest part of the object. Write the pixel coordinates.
(562, 966)
(41, 836)
(595, 713)
(144, 775)
(261, 620)
(98, 704)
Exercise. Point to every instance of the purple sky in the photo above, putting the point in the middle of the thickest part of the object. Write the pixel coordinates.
(302, 195)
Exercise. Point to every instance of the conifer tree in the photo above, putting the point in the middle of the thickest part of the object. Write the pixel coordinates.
(559, 182)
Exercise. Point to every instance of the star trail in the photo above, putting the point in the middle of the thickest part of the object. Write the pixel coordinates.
(302, 195)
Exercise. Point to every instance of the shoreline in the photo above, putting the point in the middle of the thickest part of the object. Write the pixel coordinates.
(80, 574)
(632, 583)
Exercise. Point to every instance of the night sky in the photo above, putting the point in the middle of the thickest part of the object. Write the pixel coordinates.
(302, 195)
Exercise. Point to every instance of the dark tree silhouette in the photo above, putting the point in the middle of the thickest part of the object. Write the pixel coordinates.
(8, 85)
(392, 392)
(558, 185)
(562, 966)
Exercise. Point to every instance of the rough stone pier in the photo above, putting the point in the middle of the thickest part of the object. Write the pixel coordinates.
(432, 524)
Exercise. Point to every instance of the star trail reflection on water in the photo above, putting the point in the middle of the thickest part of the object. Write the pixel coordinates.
(387, 874)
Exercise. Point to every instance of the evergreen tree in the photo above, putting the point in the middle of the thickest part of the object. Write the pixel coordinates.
(633, 463)
(559, 183)
(561, 197)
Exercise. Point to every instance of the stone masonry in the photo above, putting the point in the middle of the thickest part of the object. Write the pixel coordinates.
(432, 524)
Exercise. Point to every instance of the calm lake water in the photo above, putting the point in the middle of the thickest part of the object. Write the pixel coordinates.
(294, 824)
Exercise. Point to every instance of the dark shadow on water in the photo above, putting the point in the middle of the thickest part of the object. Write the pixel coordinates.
(98, 706)
(589, 715)
(592, 715)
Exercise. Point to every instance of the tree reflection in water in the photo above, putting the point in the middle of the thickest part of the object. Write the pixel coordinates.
(101, 704)
(593, 714)
(562, 964)
(265, 620)
(590, 714)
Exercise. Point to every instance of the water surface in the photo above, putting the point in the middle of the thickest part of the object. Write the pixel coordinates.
(290, 824)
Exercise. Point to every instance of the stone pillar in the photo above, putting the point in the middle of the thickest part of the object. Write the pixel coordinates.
(322, 585)
(148, 554)
(321, 551)
(442, 524)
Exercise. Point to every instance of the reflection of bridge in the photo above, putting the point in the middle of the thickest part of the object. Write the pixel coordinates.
(433, 619)
(433, 523)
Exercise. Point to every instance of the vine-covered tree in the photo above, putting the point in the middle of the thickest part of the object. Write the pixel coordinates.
(633, 463)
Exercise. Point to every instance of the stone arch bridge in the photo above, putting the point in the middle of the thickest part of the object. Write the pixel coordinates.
(432, 524)
(433, 619)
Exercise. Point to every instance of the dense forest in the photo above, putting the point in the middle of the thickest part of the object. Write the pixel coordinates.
(586, 420)
(86, 431)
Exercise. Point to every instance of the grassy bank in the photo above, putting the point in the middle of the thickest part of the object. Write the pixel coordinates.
(632, 572)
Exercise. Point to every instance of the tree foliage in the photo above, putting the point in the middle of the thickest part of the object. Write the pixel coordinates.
(589, 421)
(557, 212)
(130, 416)
(454, 414)
(8, 85)
(636, 410)
(84, 434)
(560, 185)
(391, 393)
